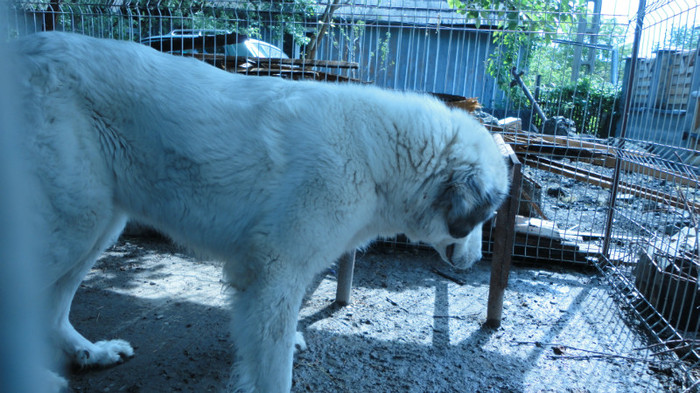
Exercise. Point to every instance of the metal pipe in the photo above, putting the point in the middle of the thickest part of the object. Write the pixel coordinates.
(623, 128)
(519, 81)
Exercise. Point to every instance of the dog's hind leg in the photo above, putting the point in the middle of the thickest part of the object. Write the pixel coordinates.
(77, 348)
(264, 334)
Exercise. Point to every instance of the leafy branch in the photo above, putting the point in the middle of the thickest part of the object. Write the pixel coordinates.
(522, 25)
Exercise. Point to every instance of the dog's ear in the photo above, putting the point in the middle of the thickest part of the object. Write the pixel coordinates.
(467, 204)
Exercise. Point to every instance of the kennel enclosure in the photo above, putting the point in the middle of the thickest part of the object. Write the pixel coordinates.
(609, 160)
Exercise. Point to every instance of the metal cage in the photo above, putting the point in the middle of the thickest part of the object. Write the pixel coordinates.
(608, 131)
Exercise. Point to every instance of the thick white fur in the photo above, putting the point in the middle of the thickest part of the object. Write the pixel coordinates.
(276, 178)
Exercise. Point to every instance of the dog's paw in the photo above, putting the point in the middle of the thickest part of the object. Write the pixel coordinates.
(104, 354)
(299, 342)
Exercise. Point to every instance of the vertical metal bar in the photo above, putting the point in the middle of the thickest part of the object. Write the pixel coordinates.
(399, 52)
(623, 128)
(462, 63)
(578, 49)
(451, 48)
(436, 60)
(614, 66)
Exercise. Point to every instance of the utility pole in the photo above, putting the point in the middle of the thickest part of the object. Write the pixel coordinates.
(591, 30)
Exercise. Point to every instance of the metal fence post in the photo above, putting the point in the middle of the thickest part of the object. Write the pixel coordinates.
(623, 127)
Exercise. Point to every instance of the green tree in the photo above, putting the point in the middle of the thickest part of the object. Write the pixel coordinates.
(680, 38)
(554, 61)
(522, 26)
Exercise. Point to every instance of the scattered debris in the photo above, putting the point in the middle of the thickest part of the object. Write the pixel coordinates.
(563, 351)
(545, 241)
(201, 47)
(557, 192)
(486, 118)
(531, 198)
(559, 125)
(287, 68)
(510, 124)
(448, 276)
(667, 275)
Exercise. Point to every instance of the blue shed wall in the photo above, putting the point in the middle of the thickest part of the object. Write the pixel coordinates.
(416, 58)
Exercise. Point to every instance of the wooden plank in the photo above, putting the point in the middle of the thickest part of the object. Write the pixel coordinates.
(656, 172)
(695, 129)
(506, 150)
(597, 154)
(273, 60)
(318, 75)
(532, 139)
(644, 169)
(271, 66)
(320, 63)
(537, 227)
(541, 239)
(554, 150)
(603, 181)
(592, 235)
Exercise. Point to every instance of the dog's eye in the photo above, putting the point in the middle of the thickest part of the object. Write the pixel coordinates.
(459, 229)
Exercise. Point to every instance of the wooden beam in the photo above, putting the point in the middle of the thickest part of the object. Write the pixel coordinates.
(597, 154)
(603, 181)
(210, 57)
(504, 237)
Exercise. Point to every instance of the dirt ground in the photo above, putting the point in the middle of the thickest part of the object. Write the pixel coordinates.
(407, 329)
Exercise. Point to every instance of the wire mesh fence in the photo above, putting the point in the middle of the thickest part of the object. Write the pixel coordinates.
(608, 138)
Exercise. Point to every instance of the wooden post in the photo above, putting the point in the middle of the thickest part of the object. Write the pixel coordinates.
(504, 236)
(346, 265)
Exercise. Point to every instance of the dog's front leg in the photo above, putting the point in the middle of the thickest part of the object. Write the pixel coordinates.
(264, 333)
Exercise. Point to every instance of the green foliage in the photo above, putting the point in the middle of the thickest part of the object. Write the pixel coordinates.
(554, 62)
(591, 105)
(522, 24)
(384, 52)
(347, 41)
(680, 38)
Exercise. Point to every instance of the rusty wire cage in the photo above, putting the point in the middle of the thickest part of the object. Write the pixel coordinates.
(610, 153)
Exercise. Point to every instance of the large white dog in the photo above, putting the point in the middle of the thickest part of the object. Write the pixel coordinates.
(276, 178)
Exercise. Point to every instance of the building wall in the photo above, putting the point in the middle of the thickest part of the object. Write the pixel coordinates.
(663, 103)
(445, 60)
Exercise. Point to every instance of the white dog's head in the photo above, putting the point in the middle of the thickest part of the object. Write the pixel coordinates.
(469, 199)
(462, 207)
(465, 190)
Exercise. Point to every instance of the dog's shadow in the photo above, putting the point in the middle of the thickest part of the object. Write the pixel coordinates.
(324, 313)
